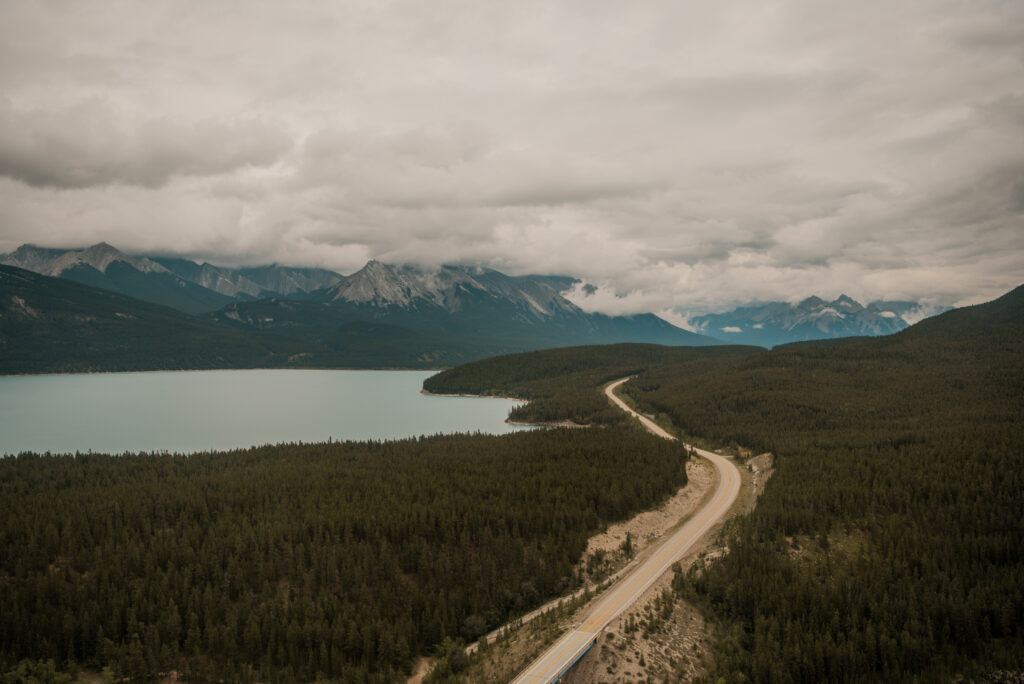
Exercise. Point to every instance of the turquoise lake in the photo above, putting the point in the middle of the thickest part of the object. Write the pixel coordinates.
(187, 411)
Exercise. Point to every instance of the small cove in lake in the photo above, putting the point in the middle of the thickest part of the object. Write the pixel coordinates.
(186, 411)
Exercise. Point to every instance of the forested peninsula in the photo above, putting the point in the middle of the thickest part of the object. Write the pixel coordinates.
(566, 384)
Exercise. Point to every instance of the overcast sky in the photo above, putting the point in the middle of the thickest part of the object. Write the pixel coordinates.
(679, 155)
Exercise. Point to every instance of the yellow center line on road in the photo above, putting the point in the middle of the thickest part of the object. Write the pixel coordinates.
(634, 581)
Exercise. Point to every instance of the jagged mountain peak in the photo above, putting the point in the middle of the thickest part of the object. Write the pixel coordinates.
(99, 256)
(811, 303)
(290, 280)
(842, 305)
(102, 254)
(452, 287)
(847, 303)
(30, 257)
(374, 266)
(384, 285)
(103, 247)
(174, 281)
(772, 323)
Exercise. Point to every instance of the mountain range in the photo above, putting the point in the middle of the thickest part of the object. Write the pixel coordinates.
(381, 316)
(456, 313)
(53, 325)
(62, 317)
(775, 323)
(179, 283)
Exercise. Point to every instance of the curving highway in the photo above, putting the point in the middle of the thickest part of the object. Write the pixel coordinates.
(578, 640)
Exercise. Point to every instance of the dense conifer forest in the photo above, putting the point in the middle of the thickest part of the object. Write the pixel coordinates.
(889, 544)
(296, 562)
(566, 384)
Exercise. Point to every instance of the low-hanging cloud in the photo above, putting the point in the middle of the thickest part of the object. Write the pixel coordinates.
(680, 158)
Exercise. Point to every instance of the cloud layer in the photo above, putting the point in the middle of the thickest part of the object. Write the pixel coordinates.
(681, 158)
(86, 146)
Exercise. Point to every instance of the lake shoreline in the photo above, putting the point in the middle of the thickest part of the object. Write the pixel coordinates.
(472, 396)
(204, 370)
(521, 423)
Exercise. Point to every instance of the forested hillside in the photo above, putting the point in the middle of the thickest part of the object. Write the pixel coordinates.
(55, 325)
(565, 384)
(298, 562)
(889, 544)
(50, 325)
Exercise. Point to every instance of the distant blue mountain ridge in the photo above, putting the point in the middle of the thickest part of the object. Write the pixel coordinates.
(775, 323)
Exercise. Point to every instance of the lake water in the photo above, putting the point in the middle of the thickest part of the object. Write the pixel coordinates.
(199, 410)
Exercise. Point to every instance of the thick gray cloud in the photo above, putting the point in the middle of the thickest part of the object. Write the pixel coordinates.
(86, 146)
(682, 158)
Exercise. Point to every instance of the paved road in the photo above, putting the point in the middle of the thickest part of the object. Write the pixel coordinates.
(573, 644)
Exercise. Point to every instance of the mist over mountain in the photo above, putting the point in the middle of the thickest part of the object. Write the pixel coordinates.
(331, 185)
(399, 314)
(454, 313)
(252, 283)
(450, 288)
(179, 283)
(775, 323)
(107, 268)
(380, 316)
